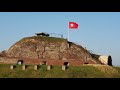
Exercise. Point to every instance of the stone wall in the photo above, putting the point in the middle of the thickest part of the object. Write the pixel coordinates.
(5, 60)
(53, 51)
(50, 50)
(28, 61)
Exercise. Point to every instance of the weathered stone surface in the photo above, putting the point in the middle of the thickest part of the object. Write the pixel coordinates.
(11, 67)
(47, 48)
(4, 60)
(48, 67)
(35, 67)
(63, 67)
(23, 67)
(51, 55)
(40, 48)
(63, 47)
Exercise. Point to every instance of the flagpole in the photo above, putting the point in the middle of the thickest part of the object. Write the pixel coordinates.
(68, 34)
(72, 25)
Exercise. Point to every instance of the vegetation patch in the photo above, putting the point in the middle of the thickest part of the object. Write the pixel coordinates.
(43, 38)
(86, 71)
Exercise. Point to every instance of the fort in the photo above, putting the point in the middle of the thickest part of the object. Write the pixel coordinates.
(50, 49)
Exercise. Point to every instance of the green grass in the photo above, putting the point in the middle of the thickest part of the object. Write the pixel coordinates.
(118, 69)
(42, 38)
(55, 72)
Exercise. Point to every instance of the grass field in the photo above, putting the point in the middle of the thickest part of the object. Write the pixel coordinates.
(87, 71)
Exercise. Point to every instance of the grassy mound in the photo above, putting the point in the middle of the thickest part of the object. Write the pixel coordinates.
(42, 38)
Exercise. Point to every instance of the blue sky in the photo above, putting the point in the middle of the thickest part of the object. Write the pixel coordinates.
(97, 31)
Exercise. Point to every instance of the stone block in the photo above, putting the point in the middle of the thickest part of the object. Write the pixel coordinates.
(35, 67)
(12, 67)
(23, 67)
(64, 68)
(48, 67)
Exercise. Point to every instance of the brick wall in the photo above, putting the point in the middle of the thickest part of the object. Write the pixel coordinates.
(48, 62)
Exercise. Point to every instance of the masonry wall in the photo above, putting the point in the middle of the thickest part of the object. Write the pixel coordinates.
(41, 61)
(4, 60)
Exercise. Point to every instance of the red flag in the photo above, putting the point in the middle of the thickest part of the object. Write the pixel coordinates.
(73, 25)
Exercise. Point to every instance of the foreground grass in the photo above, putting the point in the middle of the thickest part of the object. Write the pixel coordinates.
(56, 72)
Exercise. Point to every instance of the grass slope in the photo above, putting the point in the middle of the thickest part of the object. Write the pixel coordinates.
(55, 72)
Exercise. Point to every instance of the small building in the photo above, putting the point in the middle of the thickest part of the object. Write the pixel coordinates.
(42, 34)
